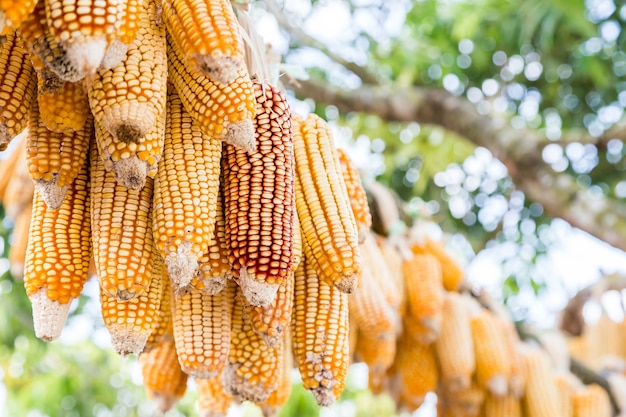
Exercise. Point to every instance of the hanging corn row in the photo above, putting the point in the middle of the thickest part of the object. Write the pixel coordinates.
(225, 231)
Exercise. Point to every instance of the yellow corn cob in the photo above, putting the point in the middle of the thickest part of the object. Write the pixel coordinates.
(259, 200)
(507, 406)
(327, 222)
(393, 260)
(17, 88)
(381, 273)
(54, 158)
(8, 166)
(128, 99)
(213, 401)
(297, 241)
(131, 322)
(592, 401)
(454, 346)
(516, 377)
(320, 333)
(565, 384)
(415, 373)
(378, 352)
(225, 112)
(452, 273)
(63, 105)
(466, 402)
(202, 324)
(185, 193)
(272, 320)
(130, 21)
(19, 191)
(254, 368)
(57, 257)
(19, 242)
(213, 267)
(271, 406)
(424, 293)
(85, 29)
(493, 363)
(356, 194)
(122, 233)
(13, 13)
(541, 398)
(207, 33)
(163, 326)
(165, 382)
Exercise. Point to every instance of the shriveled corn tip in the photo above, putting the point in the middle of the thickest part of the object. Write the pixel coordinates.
(240, 134)
(164, 402)
(48, 316)
(348, 283)
(240, 387)
(127, 341)
(181, 265)
(257, 293)
(52, 194)
(222, 69)
(86, 56)
(116, 51)
(131, 172)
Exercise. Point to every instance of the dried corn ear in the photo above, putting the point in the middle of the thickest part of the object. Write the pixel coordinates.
(122, 233)
(271, 406)
(378, 352)
(185, 193)
(57, 257)
(542, 397)
(13, 13)
(591, 401)
(493, 363)
(63, 105)
(19, 242)
(356, 194)
(207, 34)
(213, 401)
(8, 166)
(258, 192)
(19, 191)
(163, 326)
(452, 274)
(326, 219)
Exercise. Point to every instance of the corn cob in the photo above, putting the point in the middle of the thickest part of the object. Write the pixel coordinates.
(17, 88)
(592, 401)
(122, 233)
(163, 326)
(213, 267)
(57, 257)
(381, 273)
(326, 219)
(63, 105)
(225, 112)
(254, 368)
(259, 200)
(165, 382)
(452, 274)
(566, 383)
(356, 194)
(297, 241)
(207, 33)
(19, 242)
(454, 346)
(202, 324)
(507, 406)
(213, 401)
(8, 166)
(272, 320)
(45, 50)
(130, 322)
(422, 279)
(393, 260)
(271, 406)
(19, 191)
(55, 158)
(517, 380)
(85, 29)
(128, 99)
(378, 352)
(415, 373)
(186, 192)
(467, 402)
(320, 333)
(13, 13)
(541, 398)
(493, 364)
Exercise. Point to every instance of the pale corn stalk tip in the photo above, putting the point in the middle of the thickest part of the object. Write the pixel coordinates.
(498, 385)
(269, 410)
(164, 402)
(52, 194)
(257, 293)
(86, 56)
(215, 285)
(362, 233)
(181, 265)
(222, 69)
(240, 134)
(458, 382)
(131, 172)
(127, 341)
(48, 316)
(116, 51)
(324, 396)
(240, 387)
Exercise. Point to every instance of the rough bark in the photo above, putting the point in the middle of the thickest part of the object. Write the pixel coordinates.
(518, 149)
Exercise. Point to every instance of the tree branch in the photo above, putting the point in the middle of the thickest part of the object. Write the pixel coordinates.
(304, 39)
(518, 149)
